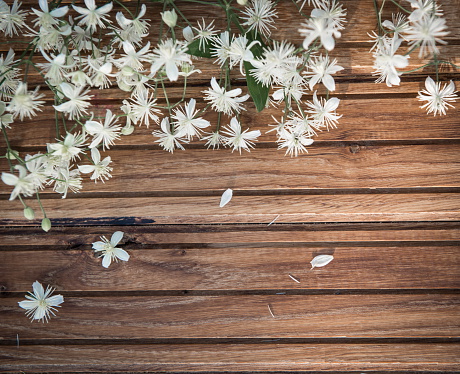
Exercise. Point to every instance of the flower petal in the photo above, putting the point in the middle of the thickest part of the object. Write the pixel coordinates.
(116, 237)
(226, 197)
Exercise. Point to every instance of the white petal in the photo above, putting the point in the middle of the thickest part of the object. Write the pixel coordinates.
(116, 237)
(329, 82)
(28, 304)
(67, 89)
(400, 61)
(226, 197)
(121, 254)
(106, 261)
(430, 85)
(86, 169)
(321, 260)
(38, 289)
(40, 313)
(55, 300)
(93, 127)
(9, 179)
(172, 71)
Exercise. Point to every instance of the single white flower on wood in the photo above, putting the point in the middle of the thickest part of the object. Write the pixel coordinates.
(39, 304)
(109, 250)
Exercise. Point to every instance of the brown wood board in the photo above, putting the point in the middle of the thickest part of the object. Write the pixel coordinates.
(236, 268)
(246, 209)
(244, 316)
(229, 357)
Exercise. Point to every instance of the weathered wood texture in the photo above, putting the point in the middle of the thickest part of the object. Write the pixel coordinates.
(380, 193)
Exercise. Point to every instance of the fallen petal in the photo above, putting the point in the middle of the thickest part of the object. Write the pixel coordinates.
(321, 260)
(226, 197)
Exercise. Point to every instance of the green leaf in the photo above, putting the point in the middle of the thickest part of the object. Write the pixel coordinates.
(258, 91)
(194, 49)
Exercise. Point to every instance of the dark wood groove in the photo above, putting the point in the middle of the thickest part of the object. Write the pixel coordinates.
(200, 341)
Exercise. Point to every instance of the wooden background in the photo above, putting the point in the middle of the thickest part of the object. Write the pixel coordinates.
(380, 193)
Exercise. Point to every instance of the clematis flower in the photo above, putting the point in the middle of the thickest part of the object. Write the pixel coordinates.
(47, 18)
(240, 139)
(169, 140)
(109, 250)
(100, 169)
(78, 100)
(321, 70)
(259, 16)
(438, 99)
(106, 133)
(39, 304)
(170, 54)
(24, 103)
(223, 100)
(186, 123)
(23, 184)
(93, 16)
(386, 62)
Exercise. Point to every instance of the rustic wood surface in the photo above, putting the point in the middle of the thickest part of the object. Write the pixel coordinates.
(380, 193)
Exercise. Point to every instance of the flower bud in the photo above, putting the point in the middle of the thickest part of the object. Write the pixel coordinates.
(187, 32)
(79, 78)
(46, 224)
(169, 17)
(242, 2)
(29, 213)
(127, 130)
(12, 154)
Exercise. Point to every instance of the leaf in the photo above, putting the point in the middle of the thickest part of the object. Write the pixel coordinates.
(321, 260)
(258, 91)
(226, 197)
(194, 49)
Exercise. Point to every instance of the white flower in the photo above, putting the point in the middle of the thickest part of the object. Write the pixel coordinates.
(78, 101)
(294, 138)
(8, 74)
(438, 99)
(132, 58)
(169, 55)
(240, 51)
(105, 134)
(55, 68)
(100, 73)
(215, 140)
(168, 140)
(93, 16)
(240, 140)
(424, 8)
(5, 119)
(321, 70)
(47, 18)
(40, 304)
(223, 100)
(67, 149)
(221, 47)
(137, 26)
(100, 169)
(22, 185)
(259, 16)
(324, 111)
(186, 124)
(205, 33)
(425, 33)
(325, 23)
(66, 179)
(169, 17)
(386, 62)
(109, 250)
(24, 103)
(143, 108)
(399, 24)
(37, 165)
(11, 18)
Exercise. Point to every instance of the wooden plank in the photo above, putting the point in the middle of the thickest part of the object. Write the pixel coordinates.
(220, 236)
(247, 316)
(246, 209)
(325, 167)
(229, 357)
(235, 267)
(358, 123)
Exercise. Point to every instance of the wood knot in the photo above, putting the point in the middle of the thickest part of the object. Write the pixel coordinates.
(354, 148)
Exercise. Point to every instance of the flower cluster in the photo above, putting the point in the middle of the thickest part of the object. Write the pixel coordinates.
(80, 48)
(423, 28)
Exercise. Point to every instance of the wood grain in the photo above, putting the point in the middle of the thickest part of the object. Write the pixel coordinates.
(358, 123)
(229, 357)
(246, 316)
(247, 209)
(221, 236)
(236, 268)
(351, 167)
